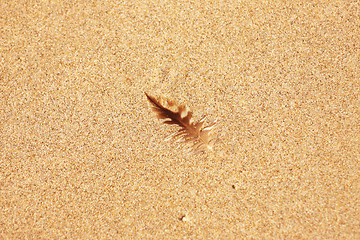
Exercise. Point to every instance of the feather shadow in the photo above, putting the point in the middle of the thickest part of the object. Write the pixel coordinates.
(200, 138)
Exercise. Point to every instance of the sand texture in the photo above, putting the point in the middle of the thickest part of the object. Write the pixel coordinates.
(82, 156)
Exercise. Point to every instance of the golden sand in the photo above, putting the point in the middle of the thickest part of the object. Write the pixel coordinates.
(82, 156)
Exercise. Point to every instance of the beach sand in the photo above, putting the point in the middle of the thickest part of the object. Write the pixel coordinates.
(84, 157)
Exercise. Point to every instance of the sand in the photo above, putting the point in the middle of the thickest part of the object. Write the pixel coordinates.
(82, 156)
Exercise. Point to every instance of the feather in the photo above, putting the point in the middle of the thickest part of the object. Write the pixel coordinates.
(179, 114)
